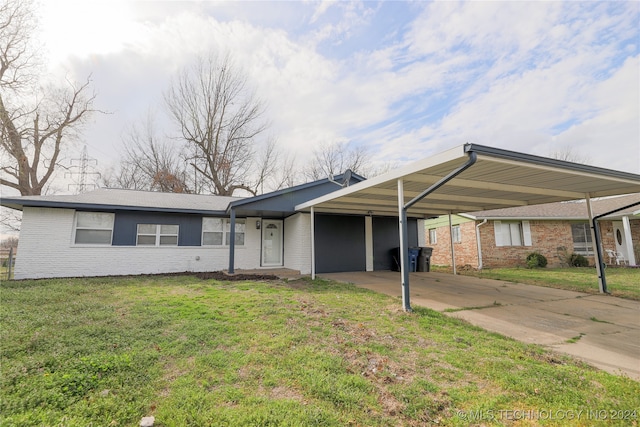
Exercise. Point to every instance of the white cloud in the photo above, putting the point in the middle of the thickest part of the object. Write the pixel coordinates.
(84, 28)
(519, 75)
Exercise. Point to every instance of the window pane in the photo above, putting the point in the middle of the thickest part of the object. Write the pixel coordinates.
(516, 236)
(580, 233)
(582, 242)
(211, 224)
(506, 234)
(239, 224)
(146, 229)
(239, 239)
(168, 240)
(93, 236)
(212, 238)
(94, 220)
(456, 233)
(168, 229)
(146, 240)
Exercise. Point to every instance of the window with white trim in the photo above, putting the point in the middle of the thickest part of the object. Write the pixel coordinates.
(215, 231)
(433, 236)
(456, 234)
(582, 242)
(512, 233)
(93, 228)
(157, 235)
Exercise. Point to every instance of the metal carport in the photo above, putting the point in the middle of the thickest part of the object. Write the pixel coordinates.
(469, 178)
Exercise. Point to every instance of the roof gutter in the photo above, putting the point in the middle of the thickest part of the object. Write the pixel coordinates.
(545, 161)
(18, 204)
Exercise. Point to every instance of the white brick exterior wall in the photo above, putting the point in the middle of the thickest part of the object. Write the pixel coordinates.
(46, 249)
(297, 243)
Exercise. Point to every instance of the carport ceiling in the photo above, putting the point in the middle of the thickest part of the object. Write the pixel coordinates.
(498, 179)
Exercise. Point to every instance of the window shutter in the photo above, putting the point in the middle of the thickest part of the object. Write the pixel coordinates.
(526, 233)
(497, 227)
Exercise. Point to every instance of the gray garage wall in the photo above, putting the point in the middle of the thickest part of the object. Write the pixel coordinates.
(340, 242)
(386, 239)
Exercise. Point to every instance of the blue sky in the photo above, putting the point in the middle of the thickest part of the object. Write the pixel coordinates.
(405, 79)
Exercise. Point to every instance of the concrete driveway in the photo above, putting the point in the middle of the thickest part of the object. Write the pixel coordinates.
(608, 328)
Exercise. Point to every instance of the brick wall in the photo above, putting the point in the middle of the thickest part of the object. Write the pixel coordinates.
(466, 251)
(546, 238)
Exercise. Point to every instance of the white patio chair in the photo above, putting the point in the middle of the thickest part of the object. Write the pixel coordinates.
(620, 259)
(612, 256)
(617, 256)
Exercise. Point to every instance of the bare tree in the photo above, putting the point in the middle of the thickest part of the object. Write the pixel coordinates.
(9, 242)
(150, 162)
(567, 153)
(18, 60)
(10, 219)
(275, 169)
(333, 159)
(34, 122)
(220, 119)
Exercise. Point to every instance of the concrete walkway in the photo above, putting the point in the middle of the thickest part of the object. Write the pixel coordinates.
(608, 328)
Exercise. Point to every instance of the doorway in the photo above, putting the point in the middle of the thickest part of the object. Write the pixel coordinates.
(620, 239)
(271, 243)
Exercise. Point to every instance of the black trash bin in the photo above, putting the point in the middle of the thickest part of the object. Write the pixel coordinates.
(424, 259)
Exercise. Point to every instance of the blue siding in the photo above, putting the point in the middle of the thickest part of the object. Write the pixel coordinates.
(126, 225)
(283, 202)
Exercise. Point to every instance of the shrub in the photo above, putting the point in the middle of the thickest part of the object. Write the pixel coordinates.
(578, 261)
(536, 260)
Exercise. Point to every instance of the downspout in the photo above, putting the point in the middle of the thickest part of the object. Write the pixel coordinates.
(404, 249)
(313, 243)
(602, 278)
(479, 243)
(232, 241)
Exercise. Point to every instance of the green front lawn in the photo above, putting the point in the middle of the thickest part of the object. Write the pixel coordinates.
(621, 282)
(191, 352)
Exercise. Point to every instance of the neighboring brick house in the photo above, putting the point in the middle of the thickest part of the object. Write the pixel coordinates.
(504, 237)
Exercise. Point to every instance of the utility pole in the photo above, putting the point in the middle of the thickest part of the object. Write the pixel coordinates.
(83, 161)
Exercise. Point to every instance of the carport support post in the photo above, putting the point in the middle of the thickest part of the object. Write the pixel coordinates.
(404, 247)
(232, 241)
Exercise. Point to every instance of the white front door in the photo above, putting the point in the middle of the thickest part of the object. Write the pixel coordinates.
(271, 242)
(620, 239)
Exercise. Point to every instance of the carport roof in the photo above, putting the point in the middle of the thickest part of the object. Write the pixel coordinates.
(498, 179)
